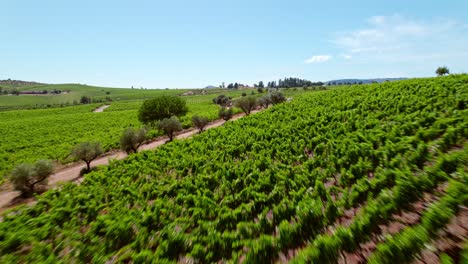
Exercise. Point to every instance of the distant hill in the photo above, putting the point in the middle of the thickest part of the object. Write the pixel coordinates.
(211, 87)
(364, 81)
(18, 83)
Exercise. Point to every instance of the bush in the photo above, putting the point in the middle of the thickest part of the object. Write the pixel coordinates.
(200, 122)
(247, 104)
(225, 114)
(442, 71)
(277, 98)
(169, 126)
(222, 100)
(25, 177)
(264, 101)
(132, 139)
(87, 152)
(161, 107)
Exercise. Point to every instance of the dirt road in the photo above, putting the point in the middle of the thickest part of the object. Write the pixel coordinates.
(100, 109)
(10, 198)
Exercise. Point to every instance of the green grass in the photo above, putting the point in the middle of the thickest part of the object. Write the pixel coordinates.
(8, 102)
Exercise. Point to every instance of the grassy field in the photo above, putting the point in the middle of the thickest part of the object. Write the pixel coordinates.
(375, 173)
(8, 102)
(29, 135)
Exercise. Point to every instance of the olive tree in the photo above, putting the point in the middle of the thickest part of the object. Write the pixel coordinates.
(87, 152)
(222, 100)
(169, 126)
(225, 113)
(277, 98)
(131, 139)
(200, 122)
(25, 176)
(247, 104)
(442, 71)
(161, 107)
(264, 101)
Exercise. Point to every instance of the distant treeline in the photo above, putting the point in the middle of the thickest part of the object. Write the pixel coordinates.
(281, 83)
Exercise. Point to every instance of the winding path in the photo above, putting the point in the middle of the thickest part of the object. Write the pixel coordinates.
(100, 109)
(71, 173)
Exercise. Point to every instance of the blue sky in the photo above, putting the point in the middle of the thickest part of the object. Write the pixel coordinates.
(158, 44)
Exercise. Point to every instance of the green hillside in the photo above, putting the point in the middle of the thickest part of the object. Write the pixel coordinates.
(72, 93)
(310, 181)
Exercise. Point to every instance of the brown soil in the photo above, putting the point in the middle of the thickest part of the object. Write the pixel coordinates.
(10, 198)
(450, 240)
(397, 223)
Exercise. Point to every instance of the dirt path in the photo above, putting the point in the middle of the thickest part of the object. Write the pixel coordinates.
(100, 109)
(9, 198)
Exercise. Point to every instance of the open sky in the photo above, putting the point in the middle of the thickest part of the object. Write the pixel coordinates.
(159, 44)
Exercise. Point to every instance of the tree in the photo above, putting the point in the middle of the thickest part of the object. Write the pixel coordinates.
(222, 100)
(87, 152)
(261, 85)
(260, 89)
(132, 139)
(277, 98)
(200, 122)
(169, 126)
(85, 99)
(225, 113)
(264, 101)
(246, 103)
(26, 176)
(441, 71)
(161, 107)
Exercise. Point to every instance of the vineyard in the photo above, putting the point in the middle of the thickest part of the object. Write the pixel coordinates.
(30, 135)
(372, 173)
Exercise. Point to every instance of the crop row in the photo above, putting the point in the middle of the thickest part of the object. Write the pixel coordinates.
(261, 187)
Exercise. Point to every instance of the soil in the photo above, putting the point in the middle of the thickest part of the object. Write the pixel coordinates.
(100, 109)
(10, 198)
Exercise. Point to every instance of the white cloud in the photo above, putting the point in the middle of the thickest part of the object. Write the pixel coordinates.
(346, 56)
(393, 33)
(318, 59)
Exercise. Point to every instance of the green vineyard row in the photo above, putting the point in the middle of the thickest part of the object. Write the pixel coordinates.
(271, 187)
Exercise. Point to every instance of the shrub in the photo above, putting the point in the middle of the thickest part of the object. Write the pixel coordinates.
(132, 139)
(247, 104)
(200, 122)
(26, 176)
(169, 126)
(277, 98)
(225, 114)
(442, 71)
(87, 152)
(222, 100)
(161, 107)
(264, 101)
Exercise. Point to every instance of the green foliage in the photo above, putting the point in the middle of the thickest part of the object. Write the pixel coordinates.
(25, 177)
(87, 152)
(225, 113)
(222, 100)
(200, 122)
(131, 139)
(247, 104)
(256, 189)
(265, 101)
(440, 71)
(277, 97)
(169, 126)
(154, 110)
